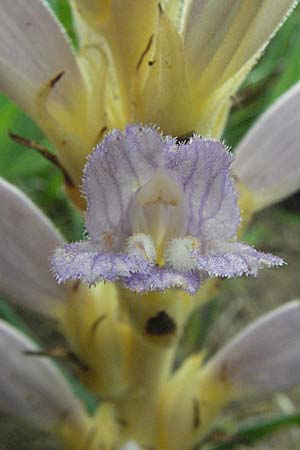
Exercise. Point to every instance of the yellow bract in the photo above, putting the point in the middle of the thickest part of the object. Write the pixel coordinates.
(200, 395)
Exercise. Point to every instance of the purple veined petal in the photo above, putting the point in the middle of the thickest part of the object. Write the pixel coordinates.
(234, 259)
(203, 168)
(265, 357)
(119, 166)
(84, 261)
(34, 49)
(32, 388)
(27, 240)
(160, 279)
(268, 158)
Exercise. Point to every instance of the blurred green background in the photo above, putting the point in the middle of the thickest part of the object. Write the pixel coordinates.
(276, 230)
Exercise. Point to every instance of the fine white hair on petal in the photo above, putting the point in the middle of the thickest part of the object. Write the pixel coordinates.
(265, 357)
(28, 239)
(163, 278)
(268, 158)
(231, 259)
(34, 49)
(83, 260)
(31, 387)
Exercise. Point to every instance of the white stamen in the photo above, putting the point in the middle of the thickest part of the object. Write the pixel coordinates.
(178, 253)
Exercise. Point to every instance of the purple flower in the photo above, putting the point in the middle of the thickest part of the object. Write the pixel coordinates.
(160, 214)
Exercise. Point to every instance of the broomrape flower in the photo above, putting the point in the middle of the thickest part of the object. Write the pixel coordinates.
(135, 61)
(159, 215)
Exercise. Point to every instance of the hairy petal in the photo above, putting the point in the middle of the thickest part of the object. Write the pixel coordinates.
(119, 166)
(265, 356)
(33, 51)
(202, 167)
(268, 158)
(234, 259)
(160, 279)
(28, 239)
(84, 261)
(31, 387)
